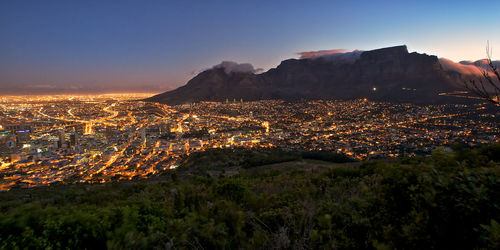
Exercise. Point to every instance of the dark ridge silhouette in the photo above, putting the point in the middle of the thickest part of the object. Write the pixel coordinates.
(387, 74)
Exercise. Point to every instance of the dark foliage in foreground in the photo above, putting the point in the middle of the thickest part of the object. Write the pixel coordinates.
(446, 201)
(220, 159)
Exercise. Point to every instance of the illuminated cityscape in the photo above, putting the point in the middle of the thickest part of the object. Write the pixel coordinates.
(99, 138)
(249, 125)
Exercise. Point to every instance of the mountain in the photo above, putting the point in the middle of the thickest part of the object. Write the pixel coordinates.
(388, 74)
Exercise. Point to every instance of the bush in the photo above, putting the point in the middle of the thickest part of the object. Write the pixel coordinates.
(450, 200)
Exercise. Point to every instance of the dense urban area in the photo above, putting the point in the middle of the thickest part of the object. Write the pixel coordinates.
(101, 138)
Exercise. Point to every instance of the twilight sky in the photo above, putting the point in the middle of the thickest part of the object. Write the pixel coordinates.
(156, 45)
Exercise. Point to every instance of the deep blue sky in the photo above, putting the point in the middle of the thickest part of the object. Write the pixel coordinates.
(121, 44)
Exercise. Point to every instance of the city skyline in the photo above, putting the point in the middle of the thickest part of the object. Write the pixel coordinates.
(157, 46)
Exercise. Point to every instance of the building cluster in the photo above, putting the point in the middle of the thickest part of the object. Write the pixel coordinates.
(47, 140)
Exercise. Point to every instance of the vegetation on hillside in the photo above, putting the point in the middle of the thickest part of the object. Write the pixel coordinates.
(450, 200)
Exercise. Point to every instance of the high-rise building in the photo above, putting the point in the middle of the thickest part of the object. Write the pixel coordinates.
(62, 138)
(143, 135)
(75, 137)
(7, 145)
(74, 140)
(22, 132)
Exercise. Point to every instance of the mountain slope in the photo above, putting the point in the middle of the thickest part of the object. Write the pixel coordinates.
(388, 74)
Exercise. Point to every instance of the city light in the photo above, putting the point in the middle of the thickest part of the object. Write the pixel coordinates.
(102, 138)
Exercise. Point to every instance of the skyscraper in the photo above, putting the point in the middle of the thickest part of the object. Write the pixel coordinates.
(62, 138)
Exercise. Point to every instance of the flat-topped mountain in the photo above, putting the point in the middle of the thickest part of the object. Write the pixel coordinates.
(388, 74)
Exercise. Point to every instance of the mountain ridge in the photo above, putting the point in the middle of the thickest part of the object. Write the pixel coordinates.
(385, 74)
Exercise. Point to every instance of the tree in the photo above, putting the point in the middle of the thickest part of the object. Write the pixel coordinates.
(480, 87)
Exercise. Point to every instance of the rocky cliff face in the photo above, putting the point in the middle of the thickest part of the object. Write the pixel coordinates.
(388, 74)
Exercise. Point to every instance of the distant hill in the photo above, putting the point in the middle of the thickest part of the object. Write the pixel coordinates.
(388, 74)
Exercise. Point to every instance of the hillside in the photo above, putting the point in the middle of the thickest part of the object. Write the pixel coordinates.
(388, 74)
(450, 200)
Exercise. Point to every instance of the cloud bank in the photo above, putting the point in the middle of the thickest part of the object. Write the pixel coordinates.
(467, 67)
(464, 69)
(230, 67)
(483, 63)
(312, 54)
(337, 55)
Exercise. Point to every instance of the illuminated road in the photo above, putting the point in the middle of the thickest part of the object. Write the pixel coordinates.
(88, 123)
